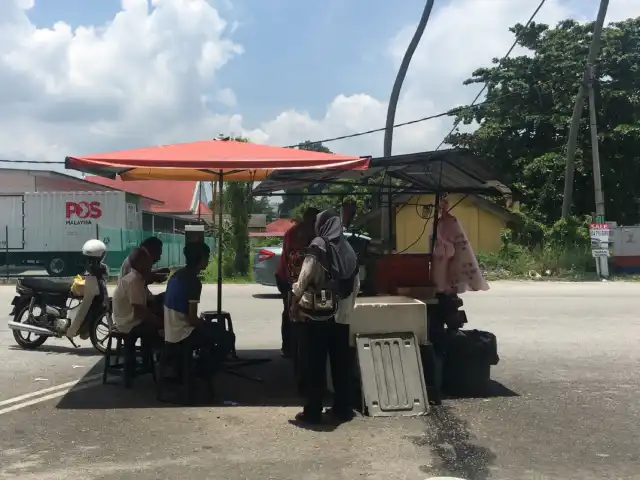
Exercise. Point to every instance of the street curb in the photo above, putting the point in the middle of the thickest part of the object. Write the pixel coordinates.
(14, 280)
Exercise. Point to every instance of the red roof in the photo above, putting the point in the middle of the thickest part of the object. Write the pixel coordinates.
(177, 197)
(281, 225)
(203, 209)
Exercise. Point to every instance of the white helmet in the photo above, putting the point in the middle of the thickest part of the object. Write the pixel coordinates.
(94, 248)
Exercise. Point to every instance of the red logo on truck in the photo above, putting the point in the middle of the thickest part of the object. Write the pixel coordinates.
(83, 211)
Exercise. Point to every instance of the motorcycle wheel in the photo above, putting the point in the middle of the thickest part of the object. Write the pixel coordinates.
(99, 333)
(26, 340)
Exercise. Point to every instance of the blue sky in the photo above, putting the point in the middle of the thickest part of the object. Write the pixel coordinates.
(307, 71)
(335, 46)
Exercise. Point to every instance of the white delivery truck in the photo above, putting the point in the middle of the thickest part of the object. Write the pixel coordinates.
(49, 228)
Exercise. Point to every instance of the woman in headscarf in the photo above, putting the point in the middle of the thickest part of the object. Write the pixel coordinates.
(329, 271)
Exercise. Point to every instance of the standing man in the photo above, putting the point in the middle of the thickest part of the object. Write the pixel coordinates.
(295, 240)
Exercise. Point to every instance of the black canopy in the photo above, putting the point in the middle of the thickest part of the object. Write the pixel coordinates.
(446, 171)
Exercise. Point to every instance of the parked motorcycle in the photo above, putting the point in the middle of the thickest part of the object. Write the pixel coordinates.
(47, 307)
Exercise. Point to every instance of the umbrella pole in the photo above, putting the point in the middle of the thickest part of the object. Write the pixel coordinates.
(238, 362)
(220, 203)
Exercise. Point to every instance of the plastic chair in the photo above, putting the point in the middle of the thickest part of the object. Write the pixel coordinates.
(127, 351)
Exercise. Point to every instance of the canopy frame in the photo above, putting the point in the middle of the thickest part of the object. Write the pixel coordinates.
(480, 177)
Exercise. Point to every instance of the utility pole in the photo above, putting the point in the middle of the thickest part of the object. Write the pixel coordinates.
(601, 262)
(386, 213)
(567, 200)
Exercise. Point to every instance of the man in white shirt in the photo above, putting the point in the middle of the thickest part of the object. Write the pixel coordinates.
(151, 247)
(130, 298)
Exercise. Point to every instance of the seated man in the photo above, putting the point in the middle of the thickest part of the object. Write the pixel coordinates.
(151, 247)
(130, 308)
(181, 320)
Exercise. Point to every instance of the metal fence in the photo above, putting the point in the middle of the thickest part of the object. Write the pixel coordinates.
(120, 242)
(15, 260)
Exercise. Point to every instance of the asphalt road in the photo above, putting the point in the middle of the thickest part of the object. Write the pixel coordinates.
(566, 408)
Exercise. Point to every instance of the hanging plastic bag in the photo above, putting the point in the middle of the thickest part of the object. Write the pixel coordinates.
(77, 287)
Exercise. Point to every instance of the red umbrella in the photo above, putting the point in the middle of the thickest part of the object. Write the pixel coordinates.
(208, 160)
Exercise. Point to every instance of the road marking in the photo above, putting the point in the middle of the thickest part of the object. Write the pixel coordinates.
(38, 396)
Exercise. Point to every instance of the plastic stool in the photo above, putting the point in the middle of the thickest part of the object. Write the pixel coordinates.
(128, 367)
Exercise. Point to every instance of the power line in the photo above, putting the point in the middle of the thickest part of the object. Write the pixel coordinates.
(515, 43)
(473, 103)
(381, 129)
(452, 111)
(40, 162)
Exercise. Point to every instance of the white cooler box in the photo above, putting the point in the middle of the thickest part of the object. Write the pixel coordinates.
(389, 314)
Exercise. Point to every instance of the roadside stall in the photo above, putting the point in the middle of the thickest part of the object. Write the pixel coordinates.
(406, 300)
(212, 160)
(396, 329)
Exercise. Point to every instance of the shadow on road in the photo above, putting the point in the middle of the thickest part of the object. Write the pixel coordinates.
(267, 295)
(276, 389)
(60, 350)
(494, 389)
(452, 447)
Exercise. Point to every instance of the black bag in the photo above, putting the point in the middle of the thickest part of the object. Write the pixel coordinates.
(469, 346)
(321, 301)
(468, 357)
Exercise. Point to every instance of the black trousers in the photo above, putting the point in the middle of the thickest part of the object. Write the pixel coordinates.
(149, 340)
(214, 344)
(284, 287)
(322, 338)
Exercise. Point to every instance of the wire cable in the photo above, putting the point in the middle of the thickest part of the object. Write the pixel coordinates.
(40, 162)
(449, 112)
(473, 103)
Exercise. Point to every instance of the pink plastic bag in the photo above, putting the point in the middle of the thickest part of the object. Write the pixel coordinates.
(455, 267)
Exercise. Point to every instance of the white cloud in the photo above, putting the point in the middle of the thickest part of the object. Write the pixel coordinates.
(151, 76)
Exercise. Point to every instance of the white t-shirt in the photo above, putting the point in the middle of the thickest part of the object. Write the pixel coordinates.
(130, 290)
(125, 269)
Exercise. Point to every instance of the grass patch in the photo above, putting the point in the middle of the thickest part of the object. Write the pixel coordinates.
(515, 262)
(210, 274)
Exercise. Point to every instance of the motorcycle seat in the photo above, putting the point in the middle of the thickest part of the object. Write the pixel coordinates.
(47, 285)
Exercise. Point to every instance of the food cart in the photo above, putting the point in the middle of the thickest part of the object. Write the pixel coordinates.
(400, 295)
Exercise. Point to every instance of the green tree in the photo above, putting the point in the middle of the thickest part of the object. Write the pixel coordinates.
(262, 205)
(238, 203)
(524, 123)
(290, 205)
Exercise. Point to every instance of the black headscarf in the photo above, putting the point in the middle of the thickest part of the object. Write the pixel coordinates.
(341, 262)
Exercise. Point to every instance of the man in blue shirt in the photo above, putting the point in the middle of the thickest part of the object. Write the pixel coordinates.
(181, 320)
